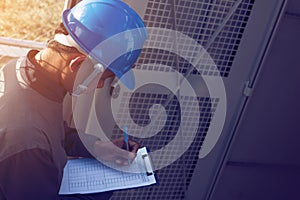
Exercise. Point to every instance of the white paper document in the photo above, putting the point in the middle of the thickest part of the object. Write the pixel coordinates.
(87, 175)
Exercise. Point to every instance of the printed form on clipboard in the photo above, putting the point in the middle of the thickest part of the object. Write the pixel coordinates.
(87, 175)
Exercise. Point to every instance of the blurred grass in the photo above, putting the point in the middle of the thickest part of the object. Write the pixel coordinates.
(29, 19)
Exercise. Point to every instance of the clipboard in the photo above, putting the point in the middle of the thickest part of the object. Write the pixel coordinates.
(87, 175)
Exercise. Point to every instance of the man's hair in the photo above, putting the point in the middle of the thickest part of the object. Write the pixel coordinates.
(53, 44)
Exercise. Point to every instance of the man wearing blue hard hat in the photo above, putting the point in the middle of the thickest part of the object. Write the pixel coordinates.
(34, 139)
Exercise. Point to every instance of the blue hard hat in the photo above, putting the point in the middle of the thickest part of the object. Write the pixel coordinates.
(110, 32)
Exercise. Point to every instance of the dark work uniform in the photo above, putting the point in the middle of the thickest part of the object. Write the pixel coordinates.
(34, 141)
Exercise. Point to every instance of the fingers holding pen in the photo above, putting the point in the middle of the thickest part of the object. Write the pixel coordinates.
(133, 145)
(116, 151)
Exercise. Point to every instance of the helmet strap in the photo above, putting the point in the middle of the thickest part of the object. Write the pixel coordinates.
(81, 88)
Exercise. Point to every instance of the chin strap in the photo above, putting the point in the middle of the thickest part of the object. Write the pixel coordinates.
(81, 88)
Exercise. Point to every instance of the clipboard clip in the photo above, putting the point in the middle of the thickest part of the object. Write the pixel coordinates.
(148, 164)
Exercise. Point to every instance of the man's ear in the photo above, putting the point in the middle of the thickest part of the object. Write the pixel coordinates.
(76, 62)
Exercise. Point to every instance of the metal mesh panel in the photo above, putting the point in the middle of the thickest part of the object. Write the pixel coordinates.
(159, 13)
(174, 179)
(225, 46)
(217, 25)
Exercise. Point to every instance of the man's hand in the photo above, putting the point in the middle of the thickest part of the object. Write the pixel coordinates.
(115, 151)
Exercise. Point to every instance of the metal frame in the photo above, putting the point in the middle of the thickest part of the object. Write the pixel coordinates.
(257, 37)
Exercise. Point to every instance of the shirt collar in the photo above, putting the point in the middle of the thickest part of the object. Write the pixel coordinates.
(38, 79)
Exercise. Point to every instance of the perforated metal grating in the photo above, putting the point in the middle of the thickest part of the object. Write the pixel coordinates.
(217, 25)
(174, 179)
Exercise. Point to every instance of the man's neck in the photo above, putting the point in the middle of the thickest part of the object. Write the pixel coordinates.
(39, 76)
(51, 63)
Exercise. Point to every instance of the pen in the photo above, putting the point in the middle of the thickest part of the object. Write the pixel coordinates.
(126, 141)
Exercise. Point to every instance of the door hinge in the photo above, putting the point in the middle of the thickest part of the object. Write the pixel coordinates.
(248, 90)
